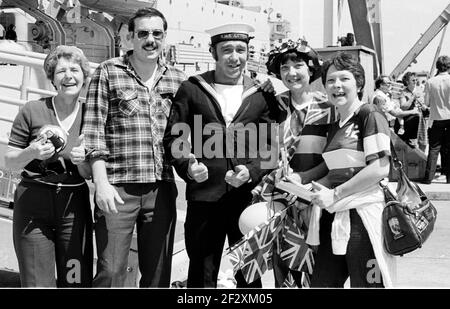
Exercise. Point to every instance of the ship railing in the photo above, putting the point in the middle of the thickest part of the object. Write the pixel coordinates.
(189, 54)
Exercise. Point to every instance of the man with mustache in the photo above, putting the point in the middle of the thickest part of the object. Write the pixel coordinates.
(127, 106)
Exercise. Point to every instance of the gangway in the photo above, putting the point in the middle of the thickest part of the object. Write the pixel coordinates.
(436, 27)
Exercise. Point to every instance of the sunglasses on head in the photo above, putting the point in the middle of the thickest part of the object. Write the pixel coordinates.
(156, 34)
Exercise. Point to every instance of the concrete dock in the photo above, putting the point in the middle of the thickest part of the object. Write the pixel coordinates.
(428, 267)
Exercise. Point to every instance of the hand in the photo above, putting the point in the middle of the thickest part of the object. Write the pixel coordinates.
(197, 171)
(281, 173)
(267, 86)
(106, 196)
(290, 198)
(322, 196)
(78, 153)
(415, 111)
(424, 107)
(238, 177)
(42, 149)
(294, 178)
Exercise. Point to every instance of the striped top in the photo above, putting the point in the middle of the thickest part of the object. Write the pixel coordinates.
(352, 145)
(306, 141)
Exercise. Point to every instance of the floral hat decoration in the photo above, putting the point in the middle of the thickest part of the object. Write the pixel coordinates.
(300, 47)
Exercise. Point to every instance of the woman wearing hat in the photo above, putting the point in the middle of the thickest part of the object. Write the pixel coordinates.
(52, 221)
(305, 116)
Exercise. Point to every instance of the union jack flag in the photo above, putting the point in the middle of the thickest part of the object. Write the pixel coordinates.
(294, 251)
(235, 257)
(252, 255)
(306, 280)
(289, 281)
(323, 113)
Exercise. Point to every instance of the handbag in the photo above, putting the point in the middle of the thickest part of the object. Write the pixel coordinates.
(408, 219)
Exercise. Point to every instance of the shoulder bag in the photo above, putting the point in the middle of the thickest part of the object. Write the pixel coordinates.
(409, 217)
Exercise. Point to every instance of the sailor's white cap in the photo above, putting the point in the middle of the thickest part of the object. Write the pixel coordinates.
(230, 32)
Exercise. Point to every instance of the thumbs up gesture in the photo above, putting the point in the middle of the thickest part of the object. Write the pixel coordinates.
(322, 196)
(238, 177)
(77, 154)
(197, 171)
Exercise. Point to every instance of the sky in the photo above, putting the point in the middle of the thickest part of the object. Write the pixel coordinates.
(403, 21)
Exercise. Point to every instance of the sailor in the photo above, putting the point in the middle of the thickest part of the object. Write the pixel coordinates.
(219, 180)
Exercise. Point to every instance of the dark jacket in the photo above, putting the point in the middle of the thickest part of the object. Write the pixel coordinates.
(197, 100)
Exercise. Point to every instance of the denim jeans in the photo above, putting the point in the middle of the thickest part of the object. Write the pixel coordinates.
(439, 136)
(53, 226)
(151, 207)
(358, 263)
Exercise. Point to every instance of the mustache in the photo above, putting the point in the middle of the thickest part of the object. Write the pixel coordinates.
(151, 45)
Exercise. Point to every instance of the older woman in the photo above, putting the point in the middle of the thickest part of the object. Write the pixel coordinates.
(357, 156)
(52, 222)
(305, 116)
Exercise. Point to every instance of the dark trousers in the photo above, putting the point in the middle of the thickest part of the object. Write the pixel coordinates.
(51, 227)
(359, 262)
(152, 208)
(439, 136)
(206, 227)
(411, 125)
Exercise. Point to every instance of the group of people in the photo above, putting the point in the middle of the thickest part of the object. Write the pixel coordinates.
(420, 116)
(9, 33)
(142, 118)
(407, 114)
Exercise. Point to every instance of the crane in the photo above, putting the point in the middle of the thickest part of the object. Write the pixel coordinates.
(440, 23)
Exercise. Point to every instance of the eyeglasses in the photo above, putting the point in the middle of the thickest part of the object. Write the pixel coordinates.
(156, 34)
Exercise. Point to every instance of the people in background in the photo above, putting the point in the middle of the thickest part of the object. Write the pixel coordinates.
(410, 100)
(52, 223)
(391, 110)
(437, 97)
(11, 33)
(348, 202)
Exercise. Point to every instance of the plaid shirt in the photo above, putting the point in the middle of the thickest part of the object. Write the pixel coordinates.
(124, 121)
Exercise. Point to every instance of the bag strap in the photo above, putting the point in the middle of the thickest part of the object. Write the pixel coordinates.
(398, 165)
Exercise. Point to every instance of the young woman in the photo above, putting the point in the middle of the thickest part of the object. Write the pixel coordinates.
(357, 156)
(52, 222)
(304, 116)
